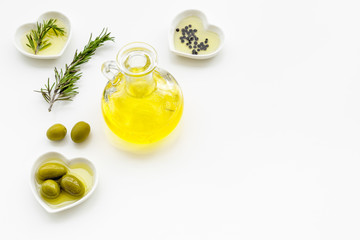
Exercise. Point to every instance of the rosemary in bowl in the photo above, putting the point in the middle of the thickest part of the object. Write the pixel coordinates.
(38, 38)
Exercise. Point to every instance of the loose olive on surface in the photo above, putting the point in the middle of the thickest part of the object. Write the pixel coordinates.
(50, 189)
(51, 171)
(80, 132)
(72, 185)
(56, 132)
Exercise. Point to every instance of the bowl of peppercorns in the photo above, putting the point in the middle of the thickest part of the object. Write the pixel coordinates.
(192, 36)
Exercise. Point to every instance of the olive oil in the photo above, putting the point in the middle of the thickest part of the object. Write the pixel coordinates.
(141, 103)
(57, 42)
(82, 171)
(142, 111)
(191, 37)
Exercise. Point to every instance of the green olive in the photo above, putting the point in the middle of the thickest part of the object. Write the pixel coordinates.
(72, 185)
(50, 189)
(56, 132)
(80, 132)
(51, 171)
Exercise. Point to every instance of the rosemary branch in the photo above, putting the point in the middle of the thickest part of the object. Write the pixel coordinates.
(64, 88)
(37, 38)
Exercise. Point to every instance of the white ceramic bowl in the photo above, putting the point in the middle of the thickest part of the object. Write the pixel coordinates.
(33, 184)
(25, 28)
(207, 26)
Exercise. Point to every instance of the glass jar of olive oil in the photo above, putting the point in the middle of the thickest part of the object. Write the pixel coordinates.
(141, 103)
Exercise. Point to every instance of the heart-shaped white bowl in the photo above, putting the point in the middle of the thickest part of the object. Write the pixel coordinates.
(54, 155)
(25, 28)
(208, 27)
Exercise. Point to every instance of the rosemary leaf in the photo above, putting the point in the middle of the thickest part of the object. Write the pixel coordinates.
(64, 88)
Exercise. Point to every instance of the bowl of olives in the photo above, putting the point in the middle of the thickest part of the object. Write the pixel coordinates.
(59, 183)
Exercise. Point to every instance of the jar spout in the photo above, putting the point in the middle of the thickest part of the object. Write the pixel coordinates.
(137, 59)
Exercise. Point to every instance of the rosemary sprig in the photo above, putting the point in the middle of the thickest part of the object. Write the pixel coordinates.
(37, 37)
(64, 88)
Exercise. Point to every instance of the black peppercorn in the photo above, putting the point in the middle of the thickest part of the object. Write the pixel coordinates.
(191, 40)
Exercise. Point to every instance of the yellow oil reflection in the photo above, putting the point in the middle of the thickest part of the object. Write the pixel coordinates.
(143, 148)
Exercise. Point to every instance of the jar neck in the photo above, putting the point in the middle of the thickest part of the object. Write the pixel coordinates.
(140, 86)
(137, 62)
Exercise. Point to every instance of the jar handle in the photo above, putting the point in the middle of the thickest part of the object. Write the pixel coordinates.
(110, 70)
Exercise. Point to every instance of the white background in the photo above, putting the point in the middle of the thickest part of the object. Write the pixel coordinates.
(268, 146)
